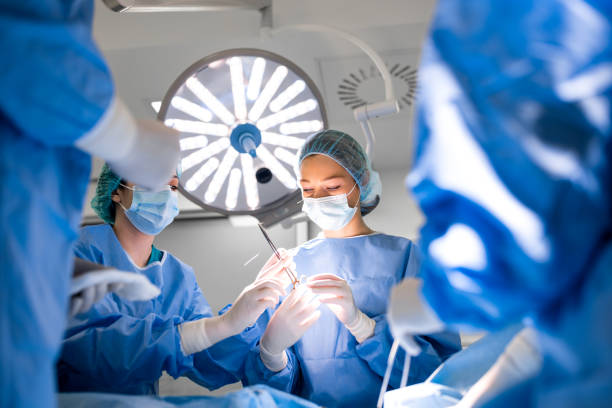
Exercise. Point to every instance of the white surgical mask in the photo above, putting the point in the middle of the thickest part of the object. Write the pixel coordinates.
(330, 213)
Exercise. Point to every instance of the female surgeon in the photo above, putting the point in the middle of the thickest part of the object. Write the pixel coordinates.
(123, 347)
(328, 341)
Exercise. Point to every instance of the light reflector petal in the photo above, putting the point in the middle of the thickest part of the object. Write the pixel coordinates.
(287, 95)
(219, 178)
(204, 153)
(283, 175)
(192, 109)
(268, 92)
(250, 182)
(290, 142)
(195, 142)
(294, 128)
(210, 100)
(233, 188)
(289, 113)
(259, 66)
(237, 77)
(202, 174)
(193, 126)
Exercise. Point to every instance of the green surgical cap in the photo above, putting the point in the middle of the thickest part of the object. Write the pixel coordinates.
(348, 153)
(102, 203)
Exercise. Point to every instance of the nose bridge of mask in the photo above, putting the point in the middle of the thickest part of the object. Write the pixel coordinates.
(151, 198)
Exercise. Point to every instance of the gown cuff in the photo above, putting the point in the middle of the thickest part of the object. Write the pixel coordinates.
(194, 337)
(273, 362)
(362, 327)
(113, 136)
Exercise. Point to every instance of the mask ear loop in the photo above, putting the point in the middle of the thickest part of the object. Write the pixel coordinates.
(120, 203)
(128, 187)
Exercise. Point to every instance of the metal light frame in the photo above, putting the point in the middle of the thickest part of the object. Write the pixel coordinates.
(285, 204)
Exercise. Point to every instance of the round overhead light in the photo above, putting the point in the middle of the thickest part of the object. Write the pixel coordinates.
(243, 115)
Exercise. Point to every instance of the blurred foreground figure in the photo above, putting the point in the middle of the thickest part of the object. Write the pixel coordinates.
(57, 107)
(512, 171)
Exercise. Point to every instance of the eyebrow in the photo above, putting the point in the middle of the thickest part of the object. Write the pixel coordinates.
(328, 178)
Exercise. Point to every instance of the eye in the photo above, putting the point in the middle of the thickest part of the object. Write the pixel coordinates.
(173, 188)
(333, 188)
(307, 190)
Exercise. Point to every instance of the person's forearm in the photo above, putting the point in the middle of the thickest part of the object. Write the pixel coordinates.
(200, 334)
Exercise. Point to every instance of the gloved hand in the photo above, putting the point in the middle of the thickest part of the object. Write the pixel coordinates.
(252, 302)
(275, 268)
(85, 299)
(409, 315)
(293, 317)
(336, 293)
(200, 334)
(145, 152)
(92, 282)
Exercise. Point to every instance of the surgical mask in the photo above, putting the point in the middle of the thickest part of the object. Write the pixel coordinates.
(152, 211)
(330, 213)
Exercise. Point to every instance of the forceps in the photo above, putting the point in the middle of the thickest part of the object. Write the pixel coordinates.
(294, 280)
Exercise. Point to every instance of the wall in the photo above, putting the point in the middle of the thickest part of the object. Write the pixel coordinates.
(217, 251)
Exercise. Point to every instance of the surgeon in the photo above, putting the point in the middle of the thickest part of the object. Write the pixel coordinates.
(58, 106)
(328, 341)
(123, 347)
(513, 171)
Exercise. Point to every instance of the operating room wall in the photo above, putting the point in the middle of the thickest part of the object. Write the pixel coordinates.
(217, 251)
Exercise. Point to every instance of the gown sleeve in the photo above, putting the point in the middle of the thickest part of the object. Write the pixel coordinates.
(148, 345)
(435, 349)
(55, 84)
(214, 367)
(527, 202)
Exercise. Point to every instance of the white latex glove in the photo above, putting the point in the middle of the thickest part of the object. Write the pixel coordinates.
(410, 315)
(293, 317)
(145, 152)
(336, 293)
(89, 288)
(84, 300)
(200, 334)
(275, 268)
(252, 302)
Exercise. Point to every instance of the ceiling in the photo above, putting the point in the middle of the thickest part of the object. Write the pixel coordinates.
(146, 52)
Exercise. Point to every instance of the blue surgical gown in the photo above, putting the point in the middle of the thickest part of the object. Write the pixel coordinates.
(327, 365)
(513, 172)
(122, 347)
(54, 86)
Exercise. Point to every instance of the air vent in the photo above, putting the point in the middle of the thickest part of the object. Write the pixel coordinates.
(353, 89)
(351, 82)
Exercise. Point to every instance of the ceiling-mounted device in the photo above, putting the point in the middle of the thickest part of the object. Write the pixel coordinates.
(365, 112)
(148, 6)
(243, 114)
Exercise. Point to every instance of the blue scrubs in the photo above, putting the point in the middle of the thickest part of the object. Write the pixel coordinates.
(122, 347)
(513, 171)
(327, 365)
(54, 86)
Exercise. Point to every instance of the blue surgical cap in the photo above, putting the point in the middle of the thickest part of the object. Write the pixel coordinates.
(348, 153)
(102, 202)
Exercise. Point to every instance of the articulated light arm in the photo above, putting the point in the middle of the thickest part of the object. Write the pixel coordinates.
(364, 113)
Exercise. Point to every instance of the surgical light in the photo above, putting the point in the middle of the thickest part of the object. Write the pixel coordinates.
(243, 115)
